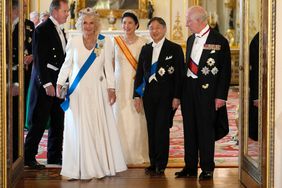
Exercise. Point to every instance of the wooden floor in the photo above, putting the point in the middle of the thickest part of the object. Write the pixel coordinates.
(132, 178)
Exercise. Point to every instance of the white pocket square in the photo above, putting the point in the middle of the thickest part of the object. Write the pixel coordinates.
(213, 51)
(52, 67)
(168, 57)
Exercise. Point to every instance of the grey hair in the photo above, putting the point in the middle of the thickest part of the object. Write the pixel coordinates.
(55, 4)
(33, 15)
(91, 13)
(43, 14)
(199, 13)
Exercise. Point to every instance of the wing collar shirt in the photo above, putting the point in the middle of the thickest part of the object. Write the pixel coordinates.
(156, 53)
(197, 49)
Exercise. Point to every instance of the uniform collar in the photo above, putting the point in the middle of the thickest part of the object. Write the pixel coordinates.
(203, 32)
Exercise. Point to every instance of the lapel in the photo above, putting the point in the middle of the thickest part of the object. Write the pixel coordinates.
(56, 34)
(149, 55)
(189, 48)
(63, 30)
(163, 53)
(205, 53)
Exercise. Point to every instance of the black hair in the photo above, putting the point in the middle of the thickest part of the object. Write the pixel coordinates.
(158, 19)
(131, 15)
(55, 4)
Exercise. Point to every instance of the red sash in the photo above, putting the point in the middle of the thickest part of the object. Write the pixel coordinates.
(193, 67)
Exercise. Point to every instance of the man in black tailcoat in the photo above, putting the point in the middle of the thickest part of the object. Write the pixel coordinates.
(49, 44)
(158, 84)
(206, 80)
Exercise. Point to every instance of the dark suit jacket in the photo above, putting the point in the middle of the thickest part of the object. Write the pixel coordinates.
(48, 57)
(29, 29)
(215, 84)
(170, 59)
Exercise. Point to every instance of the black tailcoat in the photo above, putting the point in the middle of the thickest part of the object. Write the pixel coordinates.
(198, 100)
(48, 56)
(158, 96)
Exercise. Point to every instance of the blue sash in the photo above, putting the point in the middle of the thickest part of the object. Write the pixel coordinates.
(90, 60)
(141, 88)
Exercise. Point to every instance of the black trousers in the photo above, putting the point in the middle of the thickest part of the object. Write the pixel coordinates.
(199, 120)
(46, 107)
(157, 107)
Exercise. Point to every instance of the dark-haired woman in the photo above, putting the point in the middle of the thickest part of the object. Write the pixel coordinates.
(131, 125)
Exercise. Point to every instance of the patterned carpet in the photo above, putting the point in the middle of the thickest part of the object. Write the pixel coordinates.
(226, 149)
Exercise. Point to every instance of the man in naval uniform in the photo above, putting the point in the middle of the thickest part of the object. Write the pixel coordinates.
(49, 44)
(158, 85)
(206, 81)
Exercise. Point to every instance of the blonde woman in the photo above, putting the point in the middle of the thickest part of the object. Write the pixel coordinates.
(91, 147)
(131, 125)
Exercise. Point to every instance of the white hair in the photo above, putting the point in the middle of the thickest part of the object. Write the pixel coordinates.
(198, 13)
(33, 15)
(91, 13)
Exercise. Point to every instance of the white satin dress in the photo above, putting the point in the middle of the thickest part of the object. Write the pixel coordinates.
(131, 125)
(91, 146)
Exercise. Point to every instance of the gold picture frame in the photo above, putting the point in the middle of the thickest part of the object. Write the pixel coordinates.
(141, 10)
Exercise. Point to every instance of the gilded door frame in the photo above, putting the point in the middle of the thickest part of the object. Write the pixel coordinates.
(263, 175)
(3, 123)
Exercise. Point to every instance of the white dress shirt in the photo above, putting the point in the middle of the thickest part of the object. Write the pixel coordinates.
(156, 53)
(197, 49)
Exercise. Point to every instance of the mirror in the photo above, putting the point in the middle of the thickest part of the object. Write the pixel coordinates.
(257, 83)
(14, 89)
(252, 141)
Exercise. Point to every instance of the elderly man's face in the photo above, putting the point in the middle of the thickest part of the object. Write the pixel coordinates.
(193, 23)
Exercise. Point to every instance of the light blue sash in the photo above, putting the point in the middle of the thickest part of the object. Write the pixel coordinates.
(141, 88)
(90, 60)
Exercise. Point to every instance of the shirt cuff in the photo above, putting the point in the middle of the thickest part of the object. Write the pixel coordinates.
(46, 85)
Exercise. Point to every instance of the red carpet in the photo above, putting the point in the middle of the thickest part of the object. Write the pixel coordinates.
(226, 149)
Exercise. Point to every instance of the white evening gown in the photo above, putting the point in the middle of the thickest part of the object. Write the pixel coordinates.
(91, 146)
(131, 125)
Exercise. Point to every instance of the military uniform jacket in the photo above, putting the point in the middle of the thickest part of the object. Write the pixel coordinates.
(48, 53)
(168, 72)
(214, 69)
(214, 74)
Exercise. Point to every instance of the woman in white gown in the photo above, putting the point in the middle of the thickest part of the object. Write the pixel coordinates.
(91, 147)
(131, 125)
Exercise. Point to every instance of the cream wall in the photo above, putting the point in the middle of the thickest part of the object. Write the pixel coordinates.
(278, 99)
(162, 9)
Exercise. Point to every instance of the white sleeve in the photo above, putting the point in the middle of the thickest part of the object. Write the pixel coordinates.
(109, 56)
(67, 65)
